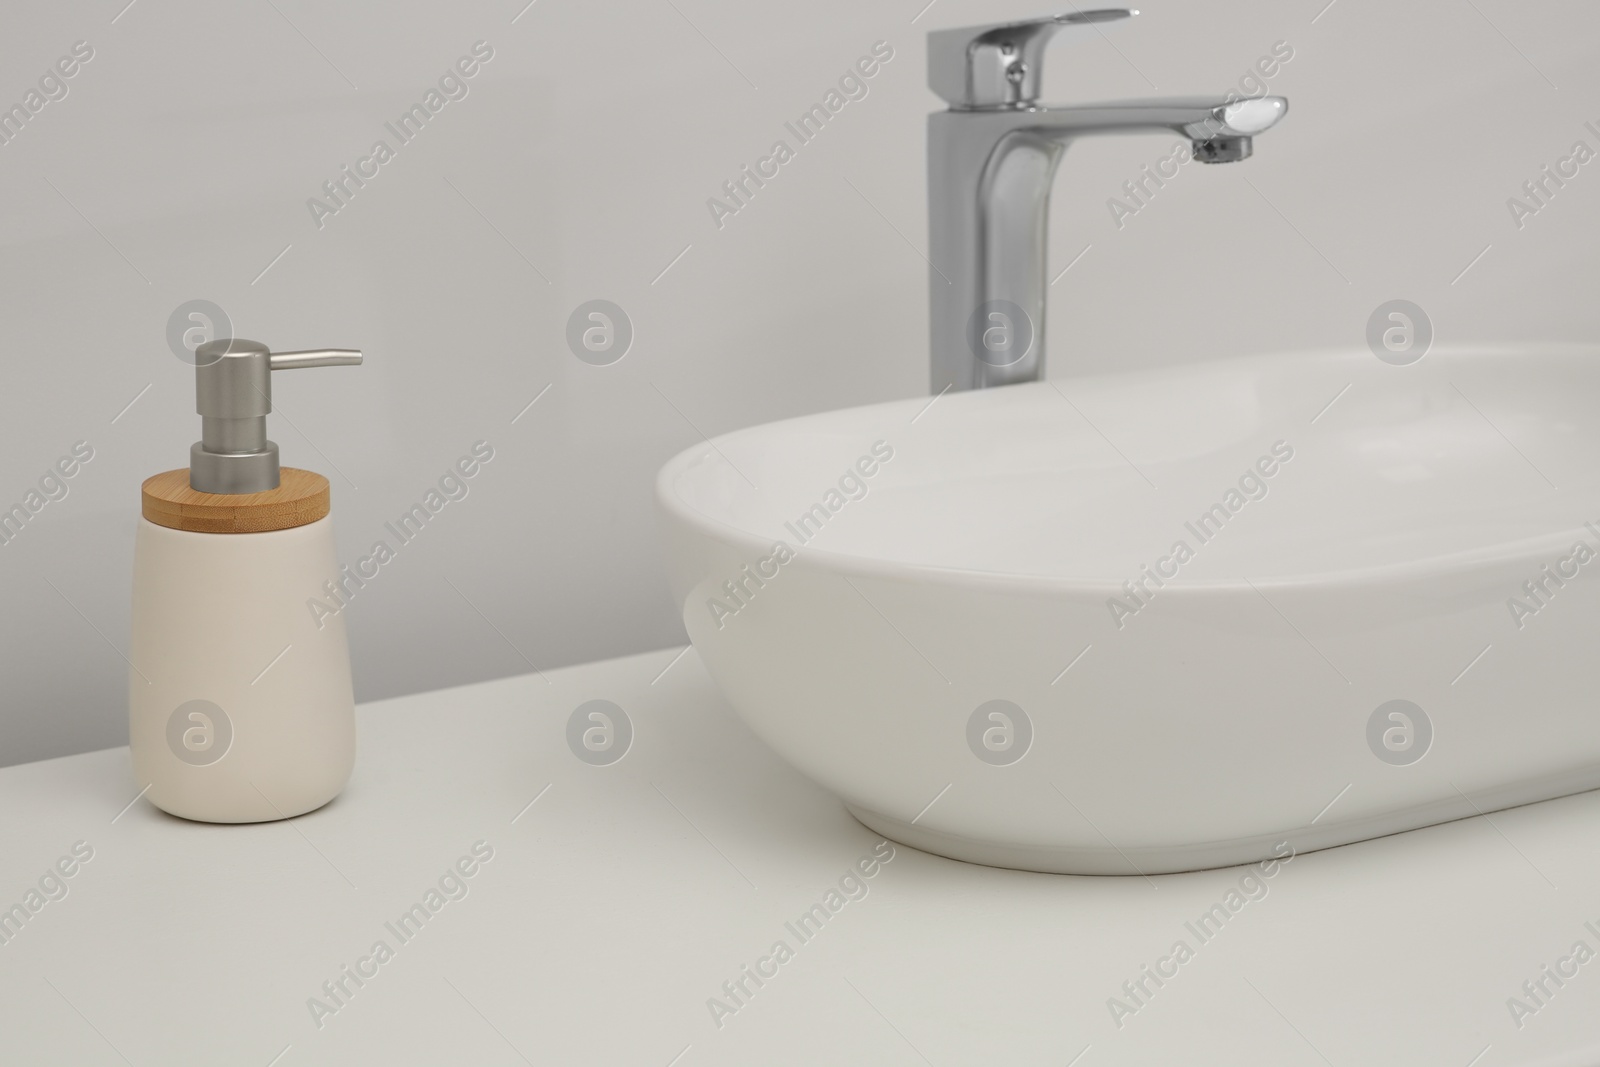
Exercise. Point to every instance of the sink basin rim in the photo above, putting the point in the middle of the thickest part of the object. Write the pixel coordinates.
(1530, 551)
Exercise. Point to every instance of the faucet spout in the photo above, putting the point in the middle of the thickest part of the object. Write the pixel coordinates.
(1219, 131)
(991, 164)
(1195, 117)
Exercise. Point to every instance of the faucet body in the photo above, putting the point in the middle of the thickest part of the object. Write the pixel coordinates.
(992, 160)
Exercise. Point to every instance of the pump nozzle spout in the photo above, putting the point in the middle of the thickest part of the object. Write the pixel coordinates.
(233, 394)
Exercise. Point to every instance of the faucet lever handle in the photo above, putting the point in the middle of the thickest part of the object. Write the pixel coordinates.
(998, 65)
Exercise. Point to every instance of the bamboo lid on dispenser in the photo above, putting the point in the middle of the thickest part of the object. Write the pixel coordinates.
(301, 497)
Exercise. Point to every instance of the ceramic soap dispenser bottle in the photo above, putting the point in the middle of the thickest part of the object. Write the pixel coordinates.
(240, 705)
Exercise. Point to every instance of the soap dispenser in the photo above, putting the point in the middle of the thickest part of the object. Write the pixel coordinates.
(240, 702)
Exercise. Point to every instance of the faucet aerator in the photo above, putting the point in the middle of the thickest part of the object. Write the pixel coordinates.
(1223, 149)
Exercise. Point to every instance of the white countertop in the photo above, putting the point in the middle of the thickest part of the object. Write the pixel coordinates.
(619, 903)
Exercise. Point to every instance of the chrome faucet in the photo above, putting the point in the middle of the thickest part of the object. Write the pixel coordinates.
(991, 160)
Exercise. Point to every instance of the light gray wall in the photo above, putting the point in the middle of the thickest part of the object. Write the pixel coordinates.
(179, 165)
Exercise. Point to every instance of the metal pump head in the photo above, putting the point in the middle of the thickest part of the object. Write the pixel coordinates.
(233, 394)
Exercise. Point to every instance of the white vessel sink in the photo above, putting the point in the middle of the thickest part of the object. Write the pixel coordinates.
(1375, 529)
